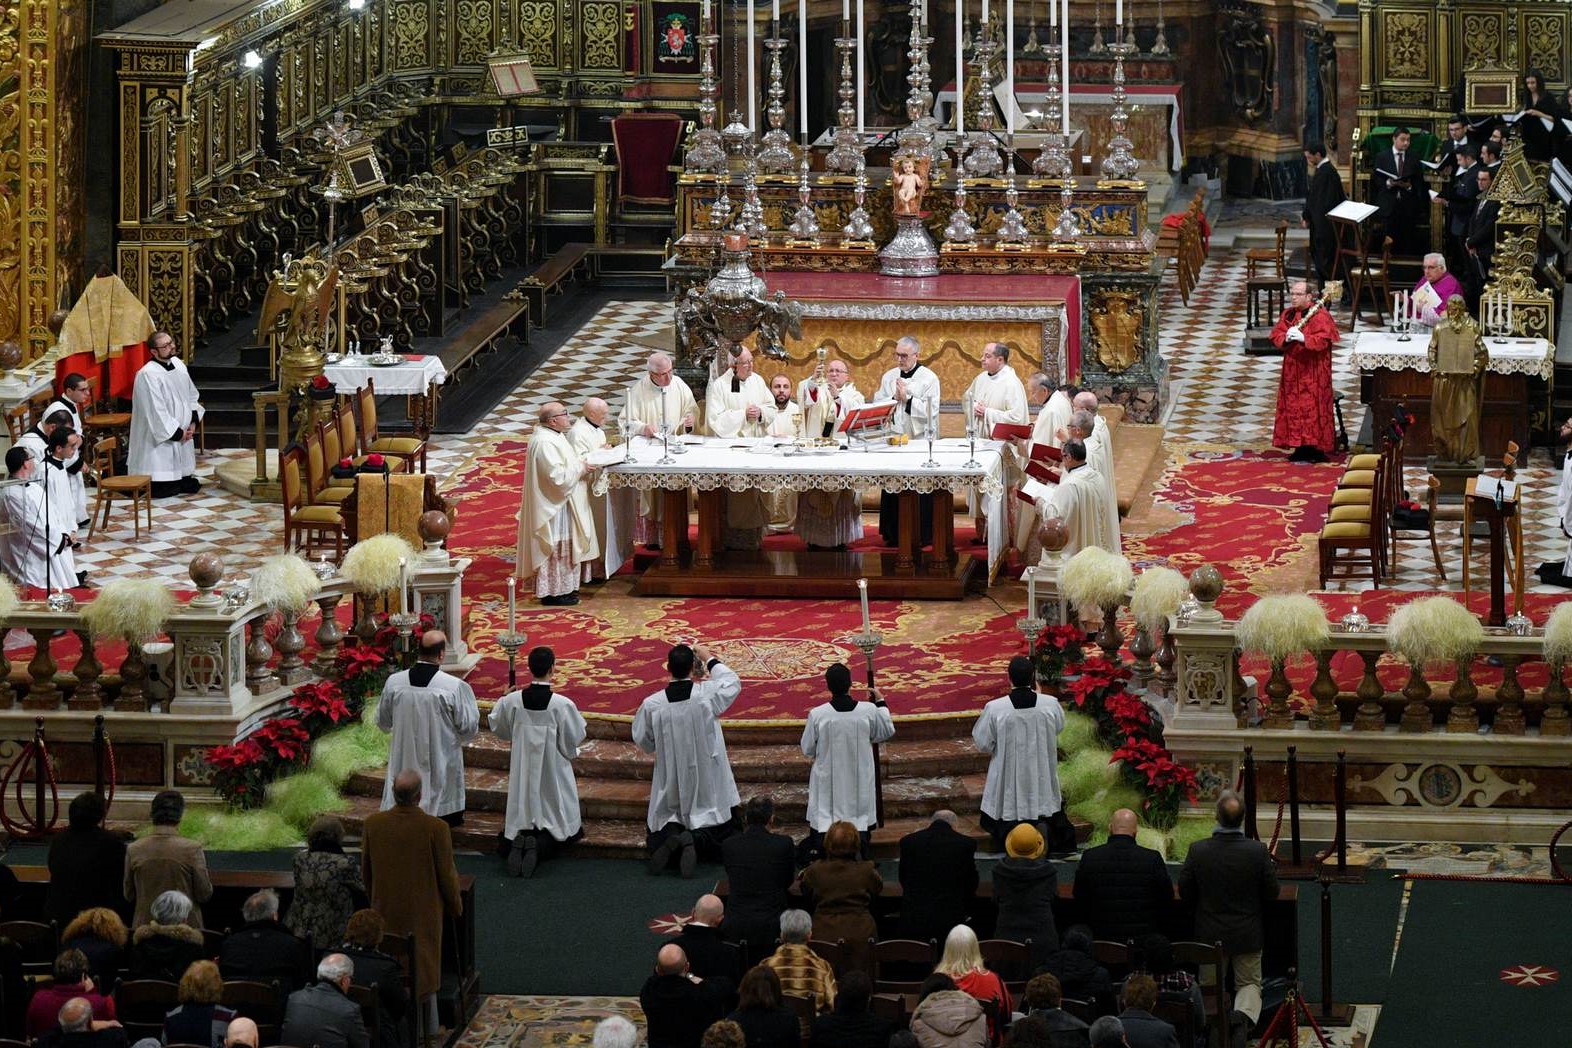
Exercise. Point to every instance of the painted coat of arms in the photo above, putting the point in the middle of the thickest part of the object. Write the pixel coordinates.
(675, 40)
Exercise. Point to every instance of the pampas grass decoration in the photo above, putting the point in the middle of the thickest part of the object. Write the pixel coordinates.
(1434, 629)
(1096, 578)
(1188, 830)
(1281, 626)
(9, 601)
(131, 609)
(371, 565)
(1558, 634)
(1158, 594)
(285, 583)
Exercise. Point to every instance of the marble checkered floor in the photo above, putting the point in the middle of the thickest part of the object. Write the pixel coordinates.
(1219, 395)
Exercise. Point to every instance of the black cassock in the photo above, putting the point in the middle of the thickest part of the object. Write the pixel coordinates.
(1324, 192)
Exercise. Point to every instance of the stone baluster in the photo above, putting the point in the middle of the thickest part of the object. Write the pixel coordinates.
(1241, 691)
(1509, 714)
(1463, 717)
(1416, 710)
(1167, 660)
(1142, 671)
(1554, 721)
(89, 693)
(133, 681)
(291, 668)
(1324, 690)
(1279, 716)
(1109, 637)
(258, 653)
(328, 637)
(1370, 716)
(365, 627)
(43, 693)
(7, 692)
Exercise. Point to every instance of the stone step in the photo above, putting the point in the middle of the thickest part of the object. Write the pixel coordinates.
(789, 732)
(620, 759)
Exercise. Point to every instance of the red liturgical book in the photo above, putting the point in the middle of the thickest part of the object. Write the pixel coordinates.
(1038, 471)
(1011, 431)
(1045, 453)
(414, 358)
(1025, 497)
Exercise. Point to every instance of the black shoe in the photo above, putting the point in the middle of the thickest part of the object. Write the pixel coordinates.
(689, 859)
(81, 580)
(561, 600)
(660, 858)
(524, 857)
(83, 523)
(516, 856)
(1240, 1026)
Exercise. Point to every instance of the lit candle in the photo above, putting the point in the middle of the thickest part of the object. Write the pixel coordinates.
(753, 86)
(1009, 70)
(862, 594)
(512, 605)
(403, 587)
(1031, 592)
(802, 68)
(1064, 71)
(960, 68)
(860, 89)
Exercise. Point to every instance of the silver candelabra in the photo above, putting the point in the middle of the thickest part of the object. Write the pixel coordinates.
(858, 228)
(706, 155)
(776, 156)
(1012, 228)
(846, 150)
(1098, 45)
(983, 159)
(960, 233)
(1160, 45)
(1120, 163)
(805, 224)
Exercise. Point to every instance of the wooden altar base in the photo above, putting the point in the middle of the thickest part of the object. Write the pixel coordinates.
(809, 574)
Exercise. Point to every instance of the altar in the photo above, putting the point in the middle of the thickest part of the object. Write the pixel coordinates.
(1393, 372)
(714, 466)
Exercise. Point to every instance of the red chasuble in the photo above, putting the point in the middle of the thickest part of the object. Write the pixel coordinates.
(1304, 393)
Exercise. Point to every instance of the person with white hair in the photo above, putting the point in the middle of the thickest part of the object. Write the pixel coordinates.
(1433, 289)
(737, 405)
(962, 961)
(167, 943)
(802, 972)
(615, 1031)
(556, 527)
(1092, 429)
(263, 949)
(657, 402)
(828, 519)
(588, 435)
(323, 1014)
(75, 1027)
(915, 389)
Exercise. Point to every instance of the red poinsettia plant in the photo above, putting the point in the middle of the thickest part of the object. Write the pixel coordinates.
(1058, 650)
(1165, 781)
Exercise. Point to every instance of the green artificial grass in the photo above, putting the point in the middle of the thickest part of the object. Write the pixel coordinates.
(300, 798)
(1191, 828)
(1080, 733)
(340, 754)
(239, 830)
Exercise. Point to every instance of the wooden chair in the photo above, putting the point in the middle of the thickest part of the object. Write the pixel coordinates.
(1178, 1014)
(1195, 956)
(1085, 1011)
(135, 488)
(402, 949)
(1010, 960)
(307, 528)
(39, 943)
(1354, 538)
(1265, 256)
(1413, 533)
(321, 488)
(410, 448)
(261, 1002)
(1117, 957)
(17, 421)
(349, 441)
(38, 405)
(805, 1008)
(141, 1004)
(833, 953)
(370, 1012)
(102, 418)
(902, 955)
(213, 941)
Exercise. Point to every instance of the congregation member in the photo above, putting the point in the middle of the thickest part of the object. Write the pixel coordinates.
(328, 887)
(544, 731)
(323, 1014)
(1323, 192)
(1399, 187)
(615, 1031)
(201, 1018)
(1079, 501)
(1174, 982)
(1142, 1029)
(242, 1033)
(842, 888)
(1021, 730)
(740, 405)
(407, 865)
(1230, 880)
(33, 550)
(556, 526)
(75, 1027)
(72, 978)
(962, 961)
(851, 1023)
(1123, 889)
(165, 410)
(101, 936)
(915, 390)
(75, 392)
(1078, 972)
(938, 875)
(1025, 885)
(167, 943)
(692, 791)
(804, 973)
(760, 867)
(431, 715)
(828, 520)
(588, 435)
(1044, 997)
(762, 1013)
(656, 402)
(946, 1017)
(839, 737)
(86, 863)
(262, 949)
(1431, 293)
(380, 972)
(707, 951)
(1107, 1032)
(164, 861)
(1304, 389)
(678, 1005)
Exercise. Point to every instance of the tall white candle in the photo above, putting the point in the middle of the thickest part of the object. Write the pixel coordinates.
(861, 90)
(1053, 14)
(862, 595)
(704, 17)
(985, 15)
(1119, 15)
(512, 605)
(1031, 592)
(845, 10)
(960, 68)
(1509, 315)
(753, 86)
(802, 68)
(1064, 70)
(775, 10)
(1009, 69)
(403, 587)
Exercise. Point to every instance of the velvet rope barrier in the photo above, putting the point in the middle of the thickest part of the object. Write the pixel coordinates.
(30, 826)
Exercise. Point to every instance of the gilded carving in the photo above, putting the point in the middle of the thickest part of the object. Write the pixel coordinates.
(10, 174)
(410, 31)
(601, 35)
(1116, 326)
(1481, 39)
(1406, 35)
(474, 31)
(1249, 58)
(1544, 41)
(538, 30)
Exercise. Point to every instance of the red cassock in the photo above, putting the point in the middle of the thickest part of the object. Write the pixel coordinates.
(1304, 393)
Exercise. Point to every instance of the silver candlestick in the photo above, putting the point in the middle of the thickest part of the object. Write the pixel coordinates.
(846, 152)
(1120, 163)
(751, 218)
(720, 210)
(960, 233)
(776, 156)
(1098, 46)
(1054, 159)
(706, 155)
(805, 224)
(1068, 227)
(512, 643)
(665, 447)
(1160, 45)
(919, 135)
(1012, 229)
(983, 159)
(1031, 47)
(858, 228)
(1031, 628)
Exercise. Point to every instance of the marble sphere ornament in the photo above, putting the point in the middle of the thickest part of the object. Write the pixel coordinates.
(1053, 535)
(10, 354)
(434, 526)
(1206, 582)
(56, 321)
(206, 570)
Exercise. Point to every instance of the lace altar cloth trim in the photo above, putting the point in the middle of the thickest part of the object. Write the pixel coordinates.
(1517, 356)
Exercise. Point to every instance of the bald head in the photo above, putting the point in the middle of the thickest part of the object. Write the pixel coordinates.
(242, 1033)
(555, 416)
(945, 815)
(1122, 823)
(1085, 401)
(432, 644)
(76, 1015)
(742, 363)
(671, 960)
(406, 787)
(596, 410)
(709, 910)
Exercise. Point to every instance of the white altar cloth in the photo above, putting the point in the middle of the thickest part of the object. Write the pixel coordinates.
(1511, 356)
(411, 378)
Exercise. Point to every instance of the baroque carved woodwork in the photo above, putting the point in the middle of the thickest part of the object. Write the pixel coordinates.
(1248, 53)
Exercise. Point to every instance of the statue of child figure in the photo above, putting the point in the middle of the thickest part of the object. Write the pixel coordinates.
(910, 179)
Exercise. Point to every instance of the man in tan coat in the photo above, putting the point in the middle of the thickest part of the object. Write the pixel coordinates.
(165, 861)
(412, 895)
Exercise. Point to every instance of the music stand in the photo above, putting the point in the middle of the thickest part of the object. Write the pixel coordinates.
(1349, 218)
(868, 422)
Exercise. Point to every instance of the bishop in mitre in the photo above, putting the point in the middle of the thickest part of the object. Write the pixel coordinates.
(1079, 500)
(430, 715)
(657, 402)
(1053, 415)
(1457, 366)
(995, 397)
(914, 388)
(828, 519)
(588, 435)
(839, 738)
(556, 527)
(165, 410)
(739, 404)
(33, 549)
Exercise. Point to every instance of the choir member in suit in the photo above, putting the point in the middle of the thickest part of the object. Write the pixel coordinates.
(1399, 186)
(1323, 192)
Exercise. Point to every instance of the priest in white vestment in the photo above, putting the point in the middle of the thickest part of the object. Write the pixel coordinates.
(1093, 431)
(1559, 572)
(1079, 500)
(73, 399)
(995, 396)
(33, 552)
(828, 519)
(431, 715)
(556, 528)
(588, 435)
(738, 404)
(692, 792)
(544, 731)
(1053, 414)
(915, 390)
(165, 410)
(1021, 731)
(839, 737)
(658, 402)
(786, 426)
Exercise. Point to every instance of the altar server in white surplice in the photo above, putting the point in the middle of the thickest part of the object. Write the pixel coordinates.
(739, 404)
(1093, 431)
(556, 528)
(1021, 731)
(165, 410)
(1053, 414)
(544, 731)
(996, 396)
(1079, 500)
(73, 400)
(656, 400)
(915, 390)
(431, 715)
(588, 435)
(63, 444)
(692, 791)
(839, 737)
(32, 554)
